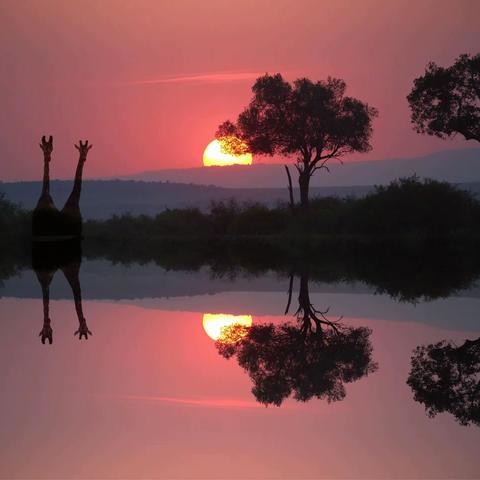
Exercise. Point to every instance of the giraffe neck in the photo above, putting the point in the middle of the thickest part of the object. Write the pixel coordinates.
(46, 175)
(73, 203)
(77, 186)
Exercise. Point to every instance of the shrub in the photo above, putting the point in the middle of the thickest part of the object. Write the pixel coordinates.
(410, 205)
(259, 220)
(13, 219)
(189, 221)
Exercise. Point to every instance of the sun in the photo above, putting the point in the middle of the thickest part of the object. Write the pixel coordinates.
(213, 156)
(214, 323)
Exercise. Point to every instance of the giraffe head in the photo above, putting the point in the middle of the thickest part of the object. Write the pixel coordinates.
(47, 146)
(83, 148)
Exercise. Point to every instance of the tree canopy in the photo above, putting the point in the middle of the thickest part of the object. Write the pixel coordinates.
(446, 101)
(312, 121)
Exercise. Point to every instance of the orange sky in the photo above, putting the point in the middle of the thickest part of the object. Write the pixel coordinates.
(148, 82)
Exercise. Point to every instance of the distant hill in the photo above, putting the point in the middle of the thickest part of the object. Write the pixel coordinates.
(200, 186)
(455, 166)
(104, 198)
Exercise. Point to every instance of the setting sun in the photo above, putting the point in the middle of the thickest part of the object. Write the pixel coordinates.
(214, 156)
(214, 323)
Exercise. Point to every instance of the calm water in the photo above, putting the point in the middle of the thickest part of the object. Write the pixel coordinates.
(149, 394)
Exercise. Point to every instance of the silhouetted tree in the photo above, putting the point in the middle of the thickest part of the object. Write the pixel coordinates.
(446, 101)
(446, 378)
(312, 121)
(313, 357)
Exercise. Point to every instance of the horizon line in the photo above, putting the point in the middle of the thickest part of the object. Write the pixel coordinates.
(200, 166)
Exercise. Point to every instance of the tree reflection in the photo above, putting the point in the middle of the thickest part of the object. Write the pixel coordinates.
(310, 357)
(47, 258)
(446, 378)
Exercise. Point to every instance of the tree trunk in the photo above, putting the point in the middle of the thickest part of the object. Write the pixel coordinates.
(290, 189)
(290, 290)
(304, 183)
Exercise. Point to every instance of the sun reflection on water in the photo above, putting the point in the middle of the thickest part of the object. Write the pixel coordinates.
(215, 324)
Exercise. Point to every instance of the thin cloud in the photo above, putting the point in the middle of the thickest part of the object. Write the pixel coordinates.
(196, 402)
(216, 77)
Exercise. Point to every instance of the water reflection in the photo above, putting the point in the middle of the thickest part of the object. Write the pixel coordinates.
(446, 378)
(170, 395)
(311, 357)
(47, 258)
(404, 274)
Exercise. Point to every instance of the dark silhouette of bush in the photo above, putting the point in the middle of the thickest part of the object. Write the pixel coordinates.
(13, 219)
(406, 207)
(222, 215)
(259, 220)
(409, 209)
(15, 230)
(327, 215)
(410, 205)
(181, 222)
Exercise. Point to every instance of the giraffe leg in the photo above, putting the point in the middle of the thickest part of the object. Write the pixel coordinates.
(45, 278)
(71, 272)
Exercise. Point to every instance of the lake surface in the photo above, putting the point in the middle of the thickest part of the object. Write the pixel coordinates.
(149, 394)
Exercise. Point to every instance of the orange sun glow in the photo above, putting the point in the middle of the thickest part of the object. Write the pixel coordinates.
(215, 323)
(214, 156)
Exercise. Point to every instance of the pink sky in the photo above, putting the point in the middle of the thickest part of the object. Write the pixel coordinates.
(148, 82)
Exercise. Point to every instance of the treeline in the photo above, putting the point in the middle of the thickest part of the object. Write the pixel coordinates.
(15, 228)
(14, 221)
(410, 239)
(407, 207)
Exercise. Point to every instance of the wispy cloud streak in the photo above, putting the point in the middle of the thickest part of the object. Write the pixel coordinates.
(195, 402)
(215, 77)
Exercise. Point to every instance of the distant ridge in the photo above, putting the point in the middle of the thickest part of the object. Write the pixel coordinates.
(198, 187)
(103, 198)
(456, 166)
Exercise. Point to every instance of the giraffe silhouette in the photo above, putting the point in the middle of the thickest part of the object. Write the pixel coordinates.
(48, 223)
(47, 259)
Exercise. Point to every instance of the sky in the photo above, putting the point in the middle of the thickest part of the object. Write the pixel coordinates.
(148, 82)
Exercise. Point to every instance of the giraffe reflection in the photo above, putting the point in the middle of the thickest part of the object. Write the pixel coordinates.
(310, 357)
(446, 378)
(47, 259)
